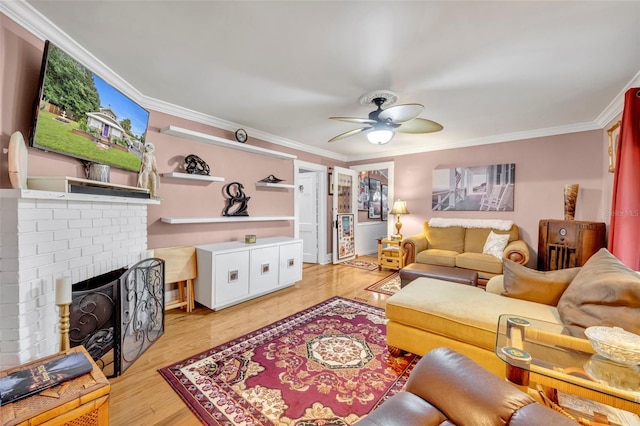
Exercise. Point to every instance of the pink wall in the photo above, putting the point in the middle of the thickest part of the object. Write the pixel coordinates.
(543, 167)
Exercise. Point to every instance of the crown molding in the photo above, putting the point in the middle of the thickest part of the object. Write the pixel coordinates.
(37, 24)
(614, 109)
(507, 137)
(198, 117)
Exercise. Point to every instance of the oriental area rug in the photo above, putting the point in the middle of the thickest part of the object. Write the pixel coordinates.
(362, 264)
(326, 365)
(388, 285)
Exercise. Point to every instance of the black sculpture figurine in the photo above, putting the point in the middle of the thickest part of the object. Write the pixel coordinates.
(196, 165)
(237, 197)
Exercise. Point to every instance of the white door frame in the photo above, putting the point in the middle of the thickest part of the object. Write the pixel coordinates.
(321, 171)
(335, 179)
(389, 165)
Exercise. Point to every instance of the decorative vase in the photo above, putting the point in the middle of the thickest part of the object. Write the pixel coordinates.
(570, 199)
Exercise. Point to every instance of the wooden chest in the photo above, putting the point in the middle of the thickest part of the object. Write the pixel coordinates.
(80, 401)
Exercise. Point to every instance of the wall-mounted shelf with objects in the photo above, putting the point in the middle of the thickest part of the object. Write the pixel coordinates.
(274, 185)
(215, 140)
(189, 176)
(223, 219)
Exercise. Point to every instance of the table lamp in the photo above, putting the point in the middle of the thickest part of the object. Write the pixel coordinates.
(399, 207)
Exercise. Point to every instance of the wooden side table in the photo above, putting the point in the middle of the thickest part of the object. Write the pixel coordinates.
(390, 254)
(82, 401)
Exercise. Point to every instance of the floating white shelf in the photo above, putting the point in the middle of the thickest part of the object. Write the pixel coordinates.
(215, 140)
(178, 175)
(274, 185)
(223, 219)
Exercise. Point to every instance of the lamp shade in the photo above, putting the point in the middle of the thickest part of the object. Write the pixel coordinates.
(380, 136)
(399, 207)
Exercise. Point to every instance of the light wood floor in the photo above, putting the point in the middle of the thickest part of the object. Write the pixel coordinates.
(142, 397)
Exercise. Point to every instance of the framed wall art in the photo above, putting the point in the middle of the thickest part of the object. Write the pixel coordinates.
(474, 188)
(385, 202)
(346, 243)
(375, 198)
(363, 191)
(614, 135)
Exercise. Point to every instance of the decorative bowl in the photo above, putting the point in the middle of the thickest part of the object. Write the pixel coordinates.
(615, 344)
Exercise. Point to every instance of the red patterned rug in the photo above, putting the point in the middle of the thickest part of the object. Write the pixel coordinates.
(362, 264)
(388, 285)
(326, 365)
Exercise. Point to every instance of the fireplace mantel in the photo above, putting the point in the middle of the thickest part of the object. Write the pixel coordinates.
(54, 195)
(45, 235)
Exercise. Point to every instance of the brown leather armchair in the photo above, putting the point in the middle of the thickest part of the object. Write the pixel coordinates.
(448, 388)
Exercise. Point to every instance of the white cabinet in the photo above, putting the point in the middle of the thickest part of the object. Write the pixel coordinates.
(290, 263)
(232, 272)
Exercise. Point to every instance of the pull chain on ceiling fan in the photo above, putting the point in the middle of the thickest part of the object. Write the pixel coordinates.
(383, 123)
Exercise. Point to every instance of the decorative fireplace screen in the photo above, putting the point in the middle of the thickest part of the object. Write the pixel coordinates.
(118, 315)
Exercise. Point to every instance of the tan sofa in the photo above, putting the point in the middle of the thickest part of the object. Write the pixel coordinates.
(430, 313)
(462, 246)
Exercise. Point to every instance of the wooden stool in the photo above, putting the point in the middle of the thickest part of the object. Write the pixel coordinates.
(180, 268)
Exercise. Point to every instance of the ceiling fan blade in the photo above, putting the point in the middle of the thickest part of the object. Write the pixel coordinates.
(419, 125)
(354, 120)
(349, 133)
(401, 113)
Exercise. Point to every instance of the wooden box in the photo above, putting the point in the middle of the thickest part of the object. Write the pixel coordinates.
(80, 401)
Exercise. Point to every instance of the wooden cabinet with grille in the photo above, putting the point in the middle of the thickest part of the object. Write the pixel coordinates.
(568, 243)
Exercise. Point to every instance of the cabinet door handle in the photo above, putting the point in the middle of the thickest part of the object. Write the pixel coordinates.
(265, 268)
(290, 262)
(233, 276)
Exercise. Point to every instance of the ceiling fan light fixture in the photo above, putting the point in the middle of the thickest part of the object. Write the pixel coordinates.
(380, 136)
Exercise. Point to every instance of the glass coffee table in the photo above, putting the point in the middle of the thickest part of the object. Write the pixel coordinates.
(537, 352)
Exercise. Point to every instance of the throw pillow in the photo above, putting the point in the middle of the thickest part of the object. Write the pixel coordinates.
(605, 292)
(495, 244)
(524, 283)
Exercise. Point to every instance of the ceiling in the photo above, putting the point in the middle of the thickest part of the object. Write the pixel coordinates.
(487, 71)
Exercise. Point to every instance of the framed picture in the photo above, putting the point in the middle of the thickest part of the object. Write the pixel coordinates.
(346, 242)
(385, 202)
(363, 191)
(614, 134)
(330, 186)
(375, 198)
(474, 188)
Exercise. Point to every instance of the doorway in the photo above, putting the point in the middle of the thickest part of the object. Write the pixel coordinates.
(369, 230)
(311, 210)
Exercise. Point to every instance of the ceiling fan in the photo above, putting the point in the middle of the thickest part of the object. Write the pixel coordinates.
(383, 123)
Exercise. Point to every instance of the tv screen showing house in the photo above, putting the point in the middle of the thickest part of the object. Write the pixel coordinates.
(80, 115)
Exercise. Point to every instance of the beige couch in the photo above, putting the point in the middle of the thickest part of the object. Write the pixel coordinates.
(430, 313)
(460, 243)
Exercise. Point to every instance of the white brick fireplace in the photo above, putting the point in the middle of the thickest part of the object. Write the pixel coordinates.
(45, 235)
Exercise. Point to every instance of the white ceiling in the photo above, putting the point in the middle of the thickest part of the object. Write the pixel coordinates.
(487, 71)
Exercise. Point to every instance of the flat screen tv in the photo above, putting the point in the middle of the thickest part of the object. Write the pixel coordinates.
(80, 115)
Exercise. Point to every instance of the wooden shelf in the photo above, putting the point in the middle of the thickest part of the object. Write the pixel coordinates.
(189, 176)
(274, 185)
(223, 219)
(215, 140)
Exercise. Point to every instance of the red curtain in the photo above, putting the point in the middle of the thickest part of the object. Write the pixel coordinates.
(624, 230)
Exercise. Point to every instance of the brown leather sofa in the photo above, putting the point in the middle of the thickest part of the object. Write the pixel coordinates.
(447, 388)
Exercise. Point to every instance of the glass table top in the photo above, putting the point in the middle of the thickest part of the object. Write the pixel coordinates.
(541, 347)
